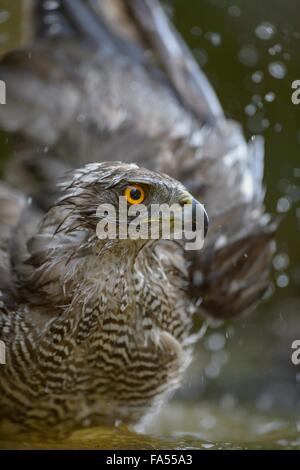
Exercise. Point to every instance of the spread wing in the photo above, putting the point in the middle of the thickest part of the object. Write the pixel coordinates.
(114, 81)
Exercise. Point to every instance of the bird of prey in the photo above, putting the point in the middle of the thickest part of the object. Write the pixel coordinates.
(96, 330)
(107, 81)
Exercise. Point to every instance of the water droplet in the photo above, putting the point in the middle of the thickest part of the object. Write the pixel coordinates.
(215, 342)
(283, 205)
(212, 370)
(282, 280)
(257, 100)
(214, 38)
(275, 49)
(281, 261)
(209, 422)
(234, 11)
(297, 172)
(269, 97)
(265, 123)
(265, 31)
(250, 110)
(277, 70)
(278, 127)
(248, 56)
(293, 193)
(50, 5)
(51, 18)
(196, 31)
(54, 29)
(257, 76)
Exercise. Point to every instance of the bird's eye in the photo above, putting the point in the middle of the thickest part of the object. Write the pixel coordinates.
(134, 194)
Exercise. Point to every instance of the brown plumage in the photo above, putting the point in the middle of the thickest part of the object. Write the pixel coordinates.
(96, 331)
(114, 81)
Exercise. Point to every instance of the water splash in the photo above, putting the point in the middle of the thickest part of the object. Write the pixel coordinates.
(234, 11)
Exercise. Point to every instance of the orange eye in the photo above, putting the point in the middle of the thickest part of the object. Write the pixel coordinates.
(134, 194)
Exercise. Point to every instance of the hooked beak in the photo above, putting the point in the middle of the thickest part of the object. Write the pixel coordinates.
(196, 206)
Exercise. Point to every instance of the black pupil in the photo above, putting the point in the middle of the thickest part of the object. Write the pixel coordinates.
(135, 194)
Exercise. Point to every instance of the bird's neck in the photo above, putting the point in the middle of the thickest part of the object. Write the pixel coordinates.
(104, 291)
(103, 273)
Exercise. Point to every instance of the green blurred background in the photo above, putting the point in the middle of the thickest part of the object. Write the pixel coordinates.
(250, 51)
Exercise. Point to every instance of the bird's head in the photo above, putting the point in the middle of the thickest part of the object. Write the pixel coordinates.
(122, 201)
(87, 222)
